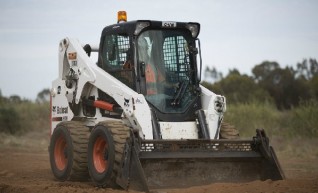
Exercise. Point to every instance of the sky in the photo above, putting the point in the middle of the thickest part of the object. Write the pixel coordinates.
(234, 34)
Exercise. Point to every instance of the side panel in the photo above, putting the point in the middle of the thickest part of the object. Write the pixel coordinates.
(60, 106)
(214, 106)
(76, 68)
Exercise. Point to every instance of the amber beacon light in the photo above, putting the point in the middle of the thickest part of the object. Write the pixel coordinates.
(121, 16)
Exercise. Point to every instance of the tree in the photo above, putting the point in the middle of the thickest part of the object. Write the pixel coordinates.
(281, 84)
(15, 99)
(307, 69)
(314, 87)
(212, 75)
(43, 96)
(287, 87)
(239, 88)
(262, 71)
(313, 67)
(1, 98)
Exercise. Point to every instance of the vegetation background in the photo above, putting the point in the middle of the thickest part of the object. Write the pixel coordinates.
(283, 101)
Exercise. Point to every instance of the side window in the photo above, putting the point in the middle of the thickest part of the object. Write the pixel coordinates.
(117, 59)
(176, 57)
(115, 52)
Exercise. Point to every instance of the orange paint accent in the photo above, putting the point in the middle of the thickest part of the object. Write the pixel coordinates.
(59, 153)
(103, 105)
(100, 147)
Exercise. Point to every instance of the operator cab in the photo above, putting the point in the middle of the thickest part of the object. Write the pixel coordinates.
(158, 60)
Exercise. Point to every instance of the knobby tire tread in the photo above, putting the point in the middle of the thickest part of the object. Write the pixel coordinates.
(79, 134)
(120, 133)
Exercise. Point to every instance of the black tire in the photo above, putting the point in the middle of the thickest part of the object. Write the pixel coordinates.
(68, 151)
(105, 151)
(228, 131)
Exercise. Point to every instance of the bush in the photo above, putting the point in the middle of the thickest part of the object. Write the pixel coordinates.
(304, 119)
(9, 120)
(24, 116)
(298, 122)
(249, 117)
(34, 116)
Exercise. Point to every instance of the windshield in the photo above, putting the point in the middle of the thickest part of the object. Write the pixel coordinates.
(168, 69)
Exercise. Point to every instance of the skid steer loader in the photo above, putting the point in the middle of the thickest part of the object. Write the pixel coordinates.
(139, 118)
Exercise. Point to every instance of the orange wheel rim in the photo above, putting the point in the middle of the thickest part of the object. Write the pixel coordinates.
(60, 153)
(100, 156)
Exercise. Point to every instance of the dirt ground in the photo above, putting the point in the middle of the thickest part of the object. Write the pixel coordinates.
(24, 167)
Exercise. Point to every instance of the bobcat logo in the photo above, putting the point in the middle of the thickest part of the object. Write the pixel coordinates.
(126, 103)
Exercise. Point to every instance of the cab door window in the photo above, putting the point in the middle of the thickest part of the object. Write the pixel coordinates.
(117, 60)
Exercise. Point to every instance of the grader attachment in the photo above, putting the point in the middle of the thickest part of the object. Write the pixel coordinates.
(155, 164)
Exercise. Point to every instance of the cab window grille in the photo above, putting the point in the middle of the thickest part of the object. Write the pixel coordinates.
(116, 54)
(176, 58)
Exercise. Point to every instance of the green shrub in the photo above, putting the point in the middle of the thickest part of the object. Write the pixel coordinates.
(249, 117)
(34, 116)
(301, 121)
(304, 119)
(22, 117)
(9, 120)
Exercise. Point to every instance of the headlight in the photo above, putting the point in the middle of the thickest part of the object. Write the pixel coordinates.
(219, 104)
